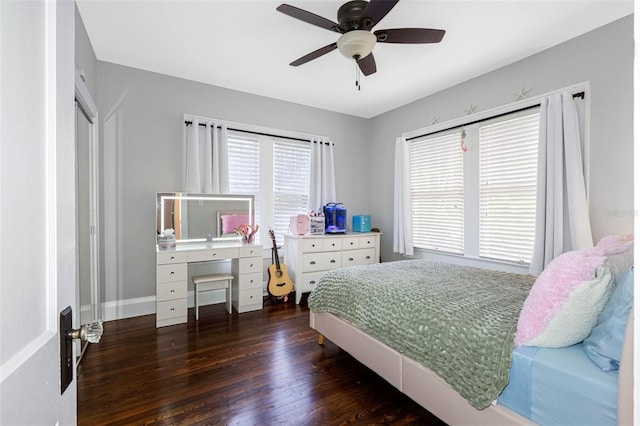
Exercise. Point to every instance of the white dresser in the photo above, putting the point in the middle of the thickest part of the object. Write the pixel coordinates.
(308, 257)
(172, 277)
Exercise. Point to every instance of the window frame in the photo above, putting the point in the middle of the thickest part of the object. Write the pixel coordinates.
(265, 137)
(471, 255)
(266, 204)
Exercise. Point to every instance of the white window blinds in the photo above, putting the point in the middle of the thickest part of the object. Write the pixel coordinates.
(508, 153)
(276, 172)
(437, 192)
(244, 167)
(291, 165)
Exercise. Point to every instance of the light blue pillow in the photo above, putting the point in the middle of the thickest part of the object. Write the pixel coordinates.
(604, 344)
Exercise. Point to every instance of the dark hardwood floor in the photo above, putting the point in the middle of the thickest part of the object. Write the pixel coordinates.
(256, 368)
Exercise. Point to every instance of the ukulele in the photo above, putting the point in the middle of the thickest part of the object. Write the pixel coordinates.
(279, 282)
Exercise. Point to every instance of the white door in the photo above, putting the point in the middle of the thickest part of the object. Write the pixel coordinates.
(37, 208)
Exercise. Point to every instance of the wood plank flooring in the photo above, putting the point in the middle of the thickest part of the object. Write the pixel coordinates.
(256, 368)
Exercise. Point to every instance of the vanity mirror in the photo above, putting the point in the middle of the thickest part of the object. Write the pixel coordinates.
(203, 217)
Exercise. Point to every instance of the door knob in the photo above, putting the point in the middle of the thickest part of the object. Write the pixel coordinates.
(88, 332)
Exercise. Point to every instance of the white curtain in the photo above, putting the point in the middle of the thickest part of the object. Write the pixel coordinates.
(322, 185)
(192, 166)
(402, 227)
(206, 168)
(562, 212)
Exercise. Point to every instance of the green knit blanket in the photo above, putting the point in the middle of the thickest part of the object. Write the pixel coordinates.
(458, 321)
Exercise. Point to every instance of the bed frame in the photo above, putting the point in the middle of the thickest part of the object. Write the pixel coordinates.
(429, 390)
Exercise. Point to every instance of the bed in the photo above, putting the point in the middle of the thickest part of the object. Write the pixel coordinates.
(399, 341)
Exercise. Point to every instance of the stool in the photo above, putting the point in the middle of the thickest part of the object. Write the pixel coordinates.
(212, 282)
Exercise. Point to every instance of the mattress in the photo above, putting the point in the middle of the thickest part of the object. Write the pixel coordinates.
(543, 382)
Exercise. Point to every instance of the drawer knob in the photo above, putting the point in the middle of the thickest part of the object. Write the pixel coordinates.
(351, 243)
(250, 297)
(333, 244)
(251, 281)
(313, 262)
(351, 259)
(172, 291)
(251, 266)
(173, 309)
(251, 252)
(333, 261)
(313, 245)
(172, 273)
(312, 282)
(173, 258)
(214, 254)
(368, 257)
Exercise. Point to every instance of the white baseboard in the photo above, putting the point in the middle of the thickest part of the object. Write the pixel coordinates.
(128, 308)
(139, 306)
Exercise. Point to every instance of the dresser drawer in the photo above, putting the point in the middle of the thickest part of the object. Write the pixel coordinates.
(309, 281)
(171, 290)
(358, 257)
(368, 241)
(171, 272)
(331, 244)
(250, 296)
(171, 257)
(321, 261)
(311, 245)
(213, 254)
(249, 265)
(171, 309)
(350, 243)
(247, 281)
(251, 251)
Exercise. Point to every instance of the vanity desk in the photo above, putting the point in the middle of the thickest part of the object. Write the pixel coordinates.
(172, 276)
(204, 228)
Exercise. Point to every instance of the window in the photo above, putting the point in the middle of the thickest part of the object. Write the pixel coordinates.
(479, 203)
(508, 169)
(276, 172)
(291, 168)
(244, 168)
(437, 194)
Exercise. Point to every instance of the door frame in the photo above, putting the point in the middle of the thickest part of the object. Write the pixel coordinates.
(89, 109)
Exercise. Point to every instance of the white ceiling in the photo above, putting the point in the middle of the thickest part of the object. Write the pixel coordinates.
(247, 45)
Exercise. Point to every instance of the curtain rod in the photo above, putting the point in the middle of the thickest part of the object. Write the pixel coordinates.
(575, 95)
(188, 123)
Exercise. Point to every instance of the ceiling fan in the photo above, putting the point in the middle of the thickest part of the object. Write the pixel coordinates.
(355, 21)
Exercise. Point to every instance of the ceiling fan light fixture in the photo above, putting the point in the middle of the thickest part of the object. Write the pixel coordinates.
(356, 44)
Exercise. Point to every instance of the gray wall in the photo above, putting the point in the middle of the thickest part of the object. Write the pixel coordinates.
(603, 56)
(145, 111)
(148, 111)
(86, 57)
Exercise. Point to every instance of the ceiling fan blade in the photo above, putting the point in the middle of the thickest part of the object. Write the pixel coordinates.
(375, 11)
(310, 18)
(367, 64)
(409, 35)
(315, 54)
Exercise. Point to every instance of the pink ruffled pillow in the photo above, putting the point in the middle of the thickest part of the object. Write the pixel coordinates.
(564, 303)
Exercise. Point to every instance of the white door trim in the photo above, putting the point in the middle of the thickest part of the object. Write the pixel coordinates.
(90, 111)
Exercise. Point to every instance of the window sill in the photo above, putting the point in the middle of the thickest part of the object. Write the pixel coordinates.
(498, 265)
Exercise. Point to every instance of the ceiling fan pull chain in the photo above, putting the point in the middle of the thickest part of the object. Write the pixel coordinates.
(357, 76)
